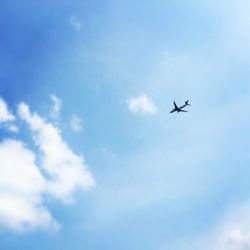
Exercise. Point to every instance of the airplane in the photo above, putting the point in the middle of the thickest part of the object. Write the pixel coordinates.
(180, 109)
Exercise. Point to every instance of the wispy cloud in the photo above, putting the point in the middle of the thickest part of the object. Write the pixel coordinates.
(232, 232)
(13, 129)
(76, 123)
(5, 114)
(56, 106)
(142, 104)
(75, 22)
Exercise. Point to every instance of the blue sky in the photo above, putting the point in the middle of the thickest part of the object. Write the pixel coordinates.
(90, 156)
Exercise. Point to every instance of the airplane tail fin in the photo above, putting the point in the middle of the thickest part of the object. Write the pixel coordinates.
(186, 103)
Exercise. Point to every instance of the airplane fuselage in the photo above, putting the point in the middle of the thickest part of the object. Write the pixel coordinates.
(175, 110)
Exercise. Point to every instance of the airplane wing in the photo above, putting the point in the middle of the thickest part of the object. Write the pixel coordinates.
(172, 111)
(181, 110)
(176, 107)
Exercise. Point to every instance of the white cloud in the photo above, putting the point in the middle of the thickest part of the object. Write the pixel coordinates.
(56, 107)
(141, 104)
(75, 22)
(21, 188)
(5, 114)
(76, 123)
(67, 170)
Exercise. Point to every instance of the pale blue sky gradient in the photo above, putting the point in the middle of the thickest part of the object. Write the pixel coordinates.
(163, 181)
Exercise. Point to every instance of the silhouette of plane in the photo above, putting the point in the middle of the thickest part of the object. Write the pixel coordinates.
(180, 109)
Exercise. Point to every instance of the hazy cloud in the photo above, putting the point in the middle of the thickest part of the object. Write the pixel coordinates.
(56, 107)
(142, 104)
(75, 22)
(76, 123)
(232, 232)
